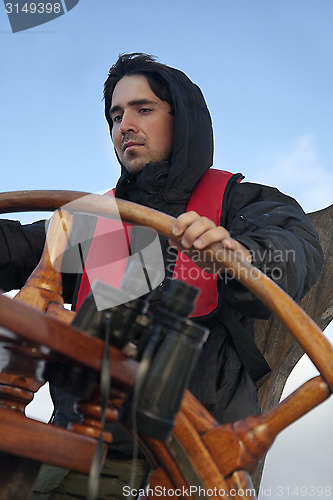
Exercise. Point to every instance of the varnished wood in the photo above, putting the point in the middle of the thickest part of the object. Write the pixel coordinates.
(24, 383)
(240, 484)
(307, 333)
(58, 312)
(168, 463)
(197, 437)
(257, 433)
(243, 444)
(64, 340)
(45, 285)
(14, 397)
(43, 291)
(202, 420)
(45, 443)
(159, 477)
(188, 462)
(91, 418)
(202, 463)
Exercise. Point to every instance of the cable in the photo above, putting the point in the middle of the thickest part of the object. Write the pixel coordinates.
(105, 385)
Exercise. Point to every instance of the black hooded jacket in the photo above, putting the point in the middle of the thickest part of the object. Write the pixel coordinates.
(269, 223)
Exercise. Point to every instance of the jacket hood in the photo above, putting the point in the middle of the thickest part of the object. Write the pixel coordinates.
(167, 186)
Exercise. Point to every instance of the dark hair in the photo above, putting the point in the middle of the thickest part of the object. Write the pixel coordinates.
(137, 63)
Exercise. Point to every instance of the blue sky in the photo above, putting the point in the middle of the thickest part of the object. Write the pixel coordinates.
(265, 68)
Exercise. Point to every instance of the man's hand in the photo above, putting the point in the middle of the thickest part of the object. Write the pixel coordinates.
(200, 232)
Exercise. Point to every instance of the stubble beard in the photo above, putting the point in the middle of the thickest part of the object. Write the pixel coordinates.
(137, 164)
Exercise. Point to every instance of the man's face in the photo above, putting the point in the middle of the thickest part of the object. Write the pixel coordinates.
(143, 127)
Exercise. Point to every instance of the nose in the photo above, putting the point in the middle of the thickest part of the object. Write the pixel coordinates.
(128, 123)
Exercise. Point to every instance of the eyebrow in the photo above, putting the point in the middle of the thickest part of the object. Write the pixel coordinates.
(136, 102)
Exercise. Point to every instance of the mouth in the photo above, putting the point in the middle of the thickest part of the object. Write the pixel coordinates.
(130, 145)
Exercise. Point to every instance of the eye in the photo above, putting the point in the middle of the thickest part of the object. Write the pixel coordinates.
(144, 110)
(117, 118)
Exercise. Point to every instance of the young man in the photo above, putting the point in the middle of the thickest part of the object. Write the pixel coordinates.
(162, 135)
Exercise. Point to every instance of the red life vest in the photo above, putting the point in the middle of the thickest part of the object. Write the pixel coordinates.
(206, 200)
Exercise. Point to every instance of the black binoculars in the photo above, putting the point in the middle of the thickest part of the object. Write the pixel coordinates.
(165, 342)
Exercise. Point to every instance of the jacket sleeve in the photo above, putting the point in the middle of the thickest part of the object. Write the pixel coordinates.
(20, 251)
(283, 243)
(21, 247)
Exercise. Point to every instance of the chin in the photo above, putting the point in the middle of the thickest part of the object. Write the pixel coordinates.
(134, 165)
(134, 169)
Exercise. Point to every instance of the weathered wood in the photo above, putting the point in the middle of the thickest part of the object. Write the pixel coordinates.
(279, 347)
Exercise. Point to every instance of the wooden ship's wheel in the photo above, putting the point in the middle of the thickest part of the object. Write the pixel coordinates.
(36, 332)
